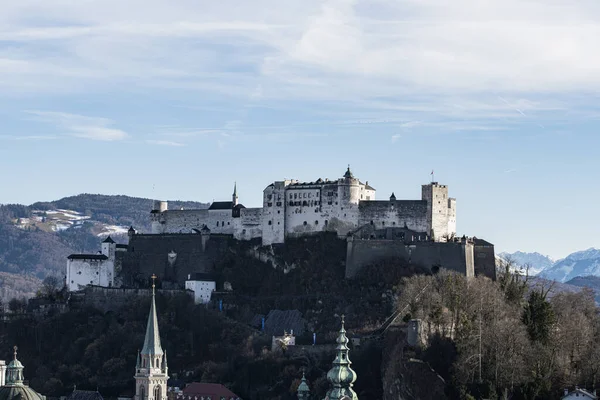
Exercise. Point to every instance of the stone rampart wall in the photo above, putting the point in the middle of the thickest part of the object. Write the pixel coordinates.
(453, 256)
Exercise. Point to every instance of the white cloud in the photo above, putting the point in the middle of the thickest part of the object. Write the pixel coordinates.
(93, 128)
(165, 143)
(426, 57)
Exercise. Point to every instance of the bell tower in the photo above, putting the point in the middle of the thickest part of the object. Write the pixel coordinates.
(151, 368)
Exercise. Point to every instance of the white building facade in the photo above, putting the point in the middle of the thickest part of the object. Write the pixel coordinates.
(293, 209)
(202, 288)
(92, 269)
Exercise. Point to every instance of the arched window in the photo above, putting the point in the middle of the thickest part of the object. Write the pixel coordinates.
(157, 393)
(142, 393)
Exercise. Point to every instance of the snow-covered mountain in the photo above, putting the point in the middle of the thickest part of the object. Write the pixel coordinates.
(581, 263)
(536, 261)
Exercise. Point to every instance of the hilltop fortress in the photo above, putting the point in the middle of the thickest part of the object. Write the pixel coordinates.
(185, 245)
(294, 209)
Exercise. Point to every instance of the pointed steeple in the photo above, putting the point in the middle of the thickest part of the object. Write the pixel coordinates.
(303, 389)
(138, 363)
(234, 196)
(341, 376)
(152, 341)
(151, 369)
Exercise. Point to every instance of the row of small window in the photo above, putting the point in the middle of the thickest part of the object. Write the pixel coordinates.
(222, 223)
(305, 203)
(270, 197)
(304, 223)
(271, 204)
(383, 223)
(303, 195)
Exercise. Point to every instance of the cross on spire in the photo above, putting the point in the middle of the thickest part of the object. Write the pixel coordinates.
(153, 282)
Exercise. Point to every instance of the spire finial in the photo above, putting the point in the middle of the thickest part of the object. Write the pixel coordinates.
(153, 283)
(343, 317)
(15, 348)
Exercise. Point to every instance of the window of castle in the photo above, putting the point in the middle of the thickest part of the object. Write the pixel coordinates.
(317, 222)
(270, 222)
(217, 223)
(305, 223)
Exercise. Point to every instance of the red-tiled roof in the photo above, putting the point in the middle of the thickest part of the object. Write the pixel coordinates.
(208, 389)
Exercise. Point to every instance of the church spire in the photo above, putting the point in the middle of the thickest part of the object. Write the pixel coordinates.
(152, 341)
(151, 369)
(341, 376)
(234, 196)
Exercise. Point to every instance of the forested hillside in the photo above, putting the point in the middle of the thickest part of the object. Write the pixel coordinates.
(35, 245)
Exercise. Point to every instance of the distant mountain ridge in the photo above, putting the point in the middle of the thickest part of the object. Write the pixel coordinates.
(537, 262)
(583, 263)
(580, 263)
(35, 240)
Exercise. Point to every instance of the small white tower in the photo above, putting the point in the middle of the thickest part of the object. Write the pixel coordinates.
(151, 369)
(109, 247)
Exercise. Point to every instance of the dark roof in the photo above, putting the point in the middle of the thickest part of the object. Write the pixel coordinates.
(369, 187)
(208, 389)
(87, 257)
(277, 322)
(348, 173)
(131, 229)
(108, 240)
(85, 395)
(121, 246)
(481, 242)
(199, 276)
(221, 205)
(238, 206)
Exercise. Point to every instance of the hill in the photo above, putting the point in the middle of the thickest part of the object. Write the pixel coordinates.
(35, 240)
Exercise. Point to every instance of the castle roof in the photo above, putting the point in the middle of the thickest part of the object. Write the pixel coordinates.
(85, 395)
(481, 242)
(108, 240)
(87, 257)
(348, 173)
(221, 205)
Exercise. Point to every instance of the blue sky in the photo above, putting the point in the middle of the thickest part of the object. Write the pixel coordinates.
(177, 100)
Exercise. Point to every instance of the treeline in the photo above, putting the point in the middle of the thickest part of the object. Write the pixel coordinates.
(91, 349)
(504, 340)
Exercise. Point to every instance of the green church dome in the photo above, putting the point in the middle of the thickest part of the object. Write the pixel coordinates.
(19, 392)
(15, 388)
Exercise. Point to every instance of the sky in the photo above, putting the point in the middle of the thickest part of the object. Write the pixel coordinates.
(180, 99)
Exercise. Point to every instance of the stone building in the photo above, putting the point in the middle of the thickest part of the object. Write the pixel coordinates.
(94, 269)
(203, 286)
(291, 209)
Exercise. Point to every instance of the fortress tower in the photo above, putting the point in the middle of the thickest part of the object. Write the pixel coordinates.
(441, 211)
